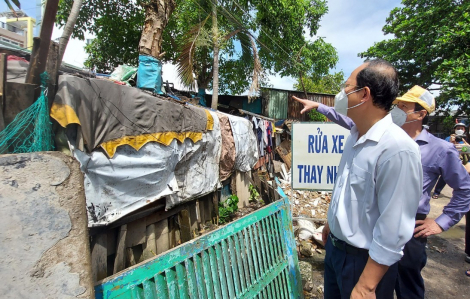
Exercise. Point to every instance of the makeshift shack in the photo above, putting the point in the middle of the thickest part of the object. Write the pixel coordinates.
(146, 159)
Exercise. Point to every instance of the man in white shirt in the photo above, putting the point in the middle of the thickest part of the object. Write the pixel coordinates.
(377, 191)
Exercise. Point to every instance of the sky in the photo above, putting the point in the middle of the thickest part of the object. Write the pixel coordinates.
(350, 26)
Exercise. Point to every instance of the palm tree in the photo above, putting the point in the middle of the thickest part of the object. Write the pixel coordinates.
(16, 2)
(195, 64)
(72, 19)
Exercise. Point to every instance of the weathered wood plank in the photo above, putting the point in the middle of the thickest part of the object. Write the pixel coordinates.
(200, 213)
(99, 257)
(185, 226)
(18, 97)
(160, 215)
(111, 237)
(215, 203)
(120, 259)
(209, 208)
(161, 236)
(150, 246)
(136, 231)
(193, 219)
(130, 257)
(241, 188)
(265, 192)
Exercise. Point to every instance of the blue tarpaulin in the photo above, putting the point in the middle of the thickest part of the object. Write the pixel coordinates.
(149, 74)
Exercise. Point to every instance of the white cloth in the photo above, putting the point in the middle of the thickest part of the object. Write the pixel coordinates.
(377, 191)
(245, 140)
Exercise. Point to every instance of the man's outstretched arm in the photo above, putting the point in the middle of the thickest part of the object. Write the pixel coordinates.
(329, 112)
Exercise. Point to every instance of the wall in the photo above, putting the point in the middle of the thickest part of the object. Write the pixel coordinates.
(14, 36)
(295, 107)
(278, 104)
(44, 236)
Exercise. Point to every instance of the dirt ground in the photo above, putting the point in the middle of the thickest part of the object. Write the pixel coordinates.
(444, 273)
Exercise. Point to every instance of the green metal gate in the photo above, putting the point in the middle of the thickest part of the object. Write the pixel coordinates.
(253, 257)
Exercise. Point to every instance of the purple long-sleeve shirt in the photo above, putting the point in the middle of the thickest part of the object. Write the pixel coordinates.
(439, 158)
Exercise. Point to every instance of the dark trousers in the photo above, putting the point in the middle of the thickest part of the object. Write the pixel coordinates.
(410, 283)
(342, 271)
(439, 186)
(467, 233)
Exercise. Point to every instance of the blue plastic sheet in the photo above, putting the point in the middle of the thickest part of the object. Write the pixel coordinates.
(149, 74)
(202, 97)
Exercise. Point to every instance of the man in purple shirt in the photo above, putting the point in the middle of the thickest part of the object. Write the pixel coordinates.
(439, 158)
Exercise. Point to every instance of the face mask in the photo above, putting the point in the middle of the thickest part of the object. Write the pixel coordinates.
(341, 102)
(399, 116)
(459, 132)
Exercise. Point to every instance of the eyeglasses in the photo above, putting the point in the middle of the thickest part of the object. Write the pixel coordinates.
(346, 85)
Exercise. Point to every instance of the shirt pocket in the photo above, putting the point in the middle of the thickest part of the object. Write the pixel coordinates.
(359, 180)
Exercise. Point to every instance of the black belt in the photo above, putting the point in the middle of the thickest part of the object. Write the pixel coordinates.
(421, 216)
(341, 245)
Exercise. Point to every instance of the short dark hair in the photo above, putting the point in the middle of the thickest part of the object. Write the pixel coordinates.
(382, 79)
(418, 107)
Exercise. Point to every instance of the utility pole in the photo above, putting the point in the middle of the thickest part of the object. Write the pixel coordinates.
(38, 17)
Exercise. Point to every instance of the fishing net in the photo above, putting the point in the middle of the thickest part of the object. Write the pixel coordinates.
(31, 130)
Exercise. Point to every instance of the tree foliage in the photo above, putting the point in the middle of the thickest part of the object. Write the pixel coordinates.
(279, 28)
(117, 25)
(330, 83)
(430, 48)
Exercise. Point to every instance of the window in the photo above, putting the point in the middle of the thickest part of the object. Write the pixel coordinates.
(11, 41)
(14, 29)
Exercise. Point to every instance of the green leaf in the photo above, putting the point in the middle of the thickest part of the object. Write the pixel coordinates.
(431, 39)
(278, 29)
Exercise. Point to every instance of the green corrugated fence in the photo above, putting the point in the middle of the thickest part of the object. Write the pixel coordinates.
(253, 257)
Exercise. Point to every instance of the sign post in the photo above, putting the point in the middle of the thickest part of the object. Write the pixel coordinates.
(316, 153)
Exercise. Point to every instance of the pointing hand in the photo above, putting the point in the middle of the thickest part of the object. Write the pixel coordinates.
(308, 105)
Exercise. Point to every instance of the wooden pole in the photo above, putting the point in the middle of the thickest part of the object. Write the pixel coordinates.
(45, 36)
(33, 60)
(52, 67)
(3, 81)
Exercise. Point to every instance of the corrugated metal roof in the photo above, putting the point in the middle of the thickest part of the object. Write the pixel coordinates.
(275, 103)
(278, 103)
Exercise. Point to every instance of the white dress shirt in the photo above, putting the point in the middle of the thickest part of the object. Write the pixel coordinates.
(377, 191)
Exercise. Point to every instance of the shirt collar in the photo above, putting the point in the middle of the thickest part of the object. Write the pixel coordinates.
(375, 132)
(423, 136)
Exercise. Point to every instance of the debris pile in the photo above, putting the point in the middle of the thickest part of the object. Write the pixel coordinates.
(310, 248)
(309, 204)
(309, 210)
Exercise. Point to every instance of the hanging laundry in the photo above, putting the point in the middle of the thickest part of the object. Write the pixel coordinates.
(265, 134)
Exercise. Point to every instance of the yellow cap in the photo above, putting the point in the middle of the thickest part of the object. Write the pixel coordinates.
(419, 95)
